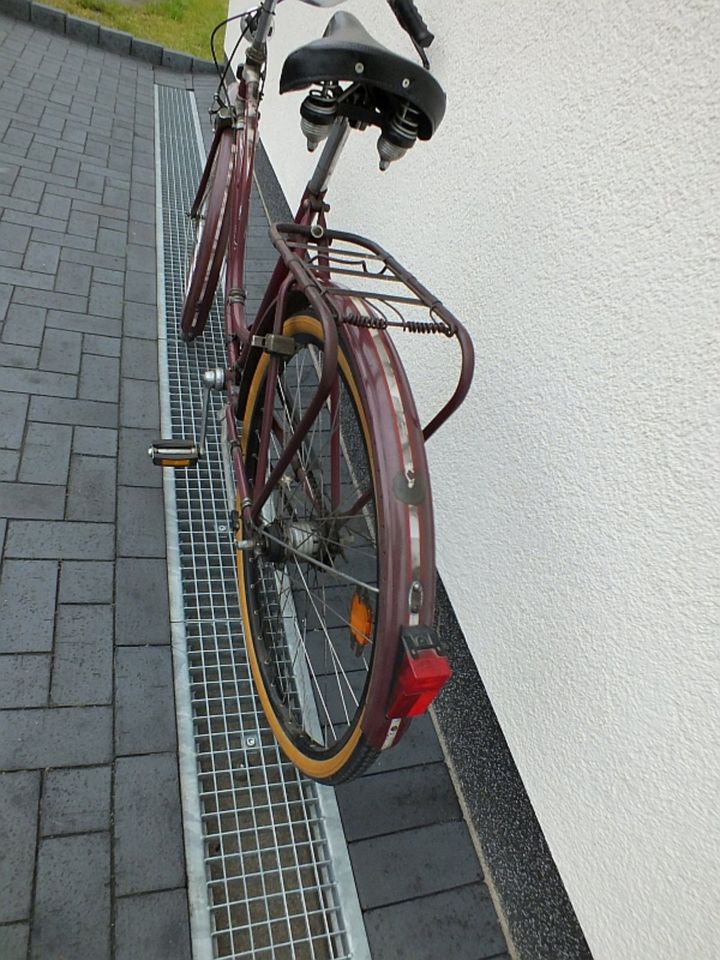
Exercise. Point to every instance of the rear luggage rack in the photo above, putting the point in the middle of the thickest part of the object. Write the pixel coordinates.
(362, 285)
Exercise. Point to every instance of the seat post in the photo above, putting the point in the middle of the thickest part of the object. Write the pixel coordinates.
(320, 179)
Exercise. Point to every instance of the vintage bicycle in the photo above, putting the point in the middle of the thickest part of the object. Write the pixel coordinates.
(324, 449)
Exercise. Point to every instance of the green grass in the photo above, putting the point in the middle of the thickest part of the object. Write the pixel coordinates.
(179, 24)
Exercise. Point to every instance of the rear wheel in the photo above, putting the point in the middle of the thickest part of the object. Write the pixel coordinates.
(206, 249)
(311, 593)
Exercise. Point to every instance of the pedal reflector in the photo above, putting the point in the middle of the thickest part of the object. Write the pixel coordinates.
(174, 453)
(424, 671)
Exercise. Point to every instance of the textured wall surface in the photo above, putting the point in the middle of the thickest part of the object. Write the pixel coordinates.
(568, 211)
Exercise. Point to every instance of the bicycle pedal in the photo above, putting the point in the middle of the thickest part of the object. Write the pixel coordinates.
(174, 453)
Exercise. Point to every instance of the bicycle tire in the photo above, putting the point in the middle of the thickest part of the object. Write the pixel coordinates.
(328, 718)
(207, 250)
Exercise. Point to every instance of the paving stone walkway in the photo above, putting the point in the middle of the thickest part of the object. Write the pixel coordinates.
(92, 862)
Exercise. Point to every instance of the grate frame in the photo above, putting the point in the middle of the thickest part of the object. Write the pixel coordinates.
(268, 868)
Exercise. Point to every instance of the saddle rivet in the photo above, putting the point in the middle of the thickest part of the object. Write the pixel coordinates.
(405, 83)
(359, 67)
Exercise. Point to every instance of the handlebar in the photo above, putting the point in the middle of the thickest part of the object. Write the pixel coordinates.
(410, 19)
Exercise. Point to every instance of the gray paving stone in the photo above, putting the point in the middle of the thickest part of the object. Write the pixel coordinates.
(29, 296)
(141, 522)
(13, 410)
(46, 454)
(19, 798)
(27, 605)
(32, 501)
(61, 540)
(17, 138)
(91, 183)
(43, 257)
(37, 381)
(44, 230)
(76, 800)
(398, 800)
(9, 460)
(103, 276)
(142, 233)
(83, 224)
(460, 924)
(139, 320)
(73, 277)
(414, 863)
(24, 681)
(106, 300)
(99, 378)
(102, 346)
(64, 241)
(143, 174)
(148, 830)
(15, 355)
(53, 206)
(55, 737)
(86, 582)
(82, 671)
(72, 903)
(145, 193)
(88, 413)
(14, 237)
(419, 745)
(28, 188)
(141, 605)
(144, 701)
(91, 492)
(139, 258)
(109, 241)
(120, 161)
(139, 404)
(142, 212)
(116, 196)
(139, 359)
(61, 351)
(140, 287)
(5, 292)
(8, 171)
(135, 468)
(154, 925)
(14, 941)
(24, 324)
(84, 323)
(8, 259)
(95, 441)
(97, 149)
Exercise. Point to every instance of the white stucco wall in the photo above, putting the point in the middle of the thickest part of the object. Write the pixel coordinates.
(568, 210)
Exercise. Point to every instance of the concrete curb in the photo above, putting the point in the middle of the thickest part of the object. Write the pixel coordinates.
(115, 41)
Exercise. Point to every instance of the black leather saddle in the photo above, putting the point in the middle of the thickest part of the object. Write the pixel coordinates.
(346, 51)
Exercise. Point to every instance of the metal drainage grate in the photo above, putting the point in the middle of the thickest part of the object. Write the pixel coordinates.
(279, 882)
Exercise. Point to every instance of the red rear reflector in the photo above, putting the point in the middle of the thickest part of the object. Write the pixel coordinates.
(423, 673)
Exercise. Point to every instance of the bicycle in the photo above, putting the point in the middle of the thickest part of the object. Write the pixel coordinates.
(333, 517)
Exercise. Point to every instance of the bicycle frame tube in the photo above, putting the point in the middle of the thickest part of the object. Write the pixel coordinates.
(236, 327)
